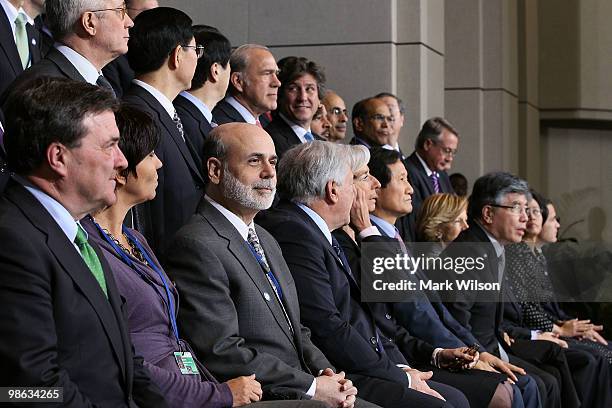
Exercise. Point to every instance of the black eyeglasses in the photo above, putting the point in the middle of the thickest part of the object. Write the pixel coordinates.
(199, 49)
(515, 208)
(123, 9)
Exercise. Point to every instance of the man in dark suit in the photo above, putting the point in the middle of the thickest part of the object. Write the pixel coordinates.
(372, 121)
(343, 327)
(64, 319)
(435, 148)
(239, 302)
(253, 87)
(497, 217)
(87, 40)
(4, 170)
(118, 71)
(208, 87)
(298, 100)
(164, 54)
(19, 42)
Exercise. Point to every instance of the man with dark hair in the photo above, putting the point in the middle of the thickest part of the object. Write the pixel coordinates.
(298, 99)
(372, 122)
(397, 108)
(208, 86)
(164, 54)
(88, 33)
(18, 41)
(497, 217)
(336, 114)
(253, 87)
(435, 148)
(118, 71)
(63, 317)
(240, 308)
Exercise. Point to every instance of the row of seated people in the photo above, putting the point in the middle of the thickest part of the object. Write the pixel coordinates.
(192, 260)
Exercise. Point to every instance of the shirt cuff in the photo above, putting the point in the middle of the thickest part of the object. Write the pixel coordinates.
(434, 357)
(313, 387)
(407, 375)
(368, 232)
(535, 334)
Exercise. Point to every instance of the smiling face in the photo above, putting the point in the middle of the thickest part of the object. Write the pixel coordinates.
(319, 124)
(300, 100)
(395, 199)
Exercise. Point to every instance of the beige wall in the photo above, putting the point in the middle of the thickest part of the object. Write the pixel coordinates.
(494, 68)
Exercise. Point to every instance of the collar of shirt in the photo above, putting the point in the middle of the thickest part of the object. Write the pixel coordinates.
(297, 129)
(198, 104)
(244, 112)
(499, 248)
(241, 226)
(161, 98)
(318, 220)
(82, 64)
(57, 211)
(387, 229)
(425, 166)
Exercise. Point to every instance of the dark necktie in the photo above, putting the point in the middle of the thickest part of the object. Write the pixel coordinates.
(436, 182)
(91, 258)
(103, 83)
(253, 241)
(342, 256)
(179, 125)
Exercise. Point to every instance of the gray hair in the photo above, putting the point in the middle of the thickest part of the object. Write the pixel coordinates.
(432, 129)
(359, 156)
(62, 15)
(239, 60)
(492, 188)
(305, 170)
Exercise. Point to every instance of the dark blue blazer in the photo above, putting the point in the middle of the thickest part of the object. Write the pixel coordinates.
(180, 183)
(342, 327)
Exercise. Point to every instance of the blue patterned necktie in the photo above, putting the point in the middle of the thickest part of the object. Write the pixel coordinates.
(308, 136)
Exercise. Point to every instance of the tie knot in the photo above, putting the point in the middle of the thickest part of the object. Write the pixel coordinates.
(308, 136)
(21, 19)
(81, 236)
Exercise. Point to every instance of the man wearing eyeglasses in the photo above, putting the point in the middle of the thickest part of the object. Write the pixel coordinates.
(88, 36)
(164, 55)
(497, 216)
(336, 114)
(435, 148)
(118, 71)
(372, 121)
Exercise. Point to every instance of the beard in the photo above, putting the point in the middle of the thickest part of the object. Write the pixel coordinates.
(247, 196)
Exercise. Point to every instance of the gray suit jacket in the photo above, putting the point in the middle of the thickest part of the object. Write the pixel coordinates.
(229, 312)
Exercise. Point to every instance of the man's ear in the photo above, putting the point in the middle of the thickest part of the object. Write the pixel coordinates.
(88, 22)
(57, 156)
(174, 59)
(331, 192)
(237, 81)
(427, 145)
(213, 72)
(214, 167)
(358, 124)
(487, 214)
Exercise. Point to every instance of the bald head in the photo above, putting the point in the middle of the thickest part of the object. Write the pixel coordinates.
(372, 121)
(336, 114)
(240, 168)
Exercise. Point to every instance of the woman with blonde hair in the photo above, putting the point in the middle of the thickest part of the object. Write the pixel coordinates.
(441, 218)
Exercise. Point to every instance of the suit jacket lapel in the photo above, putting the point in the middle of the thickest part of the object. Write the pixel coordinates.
(7, 43)
(171, 128)
(33, 43)
(64, 65)
(239, 248)
(69, 258)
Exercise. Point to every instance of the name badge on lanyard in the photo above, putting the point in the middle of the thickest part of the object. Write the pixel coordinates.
(185, 362)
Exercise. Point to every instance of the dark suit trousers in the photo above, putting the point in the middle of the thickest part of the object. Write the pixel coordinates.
(590, 372)
(393, 395)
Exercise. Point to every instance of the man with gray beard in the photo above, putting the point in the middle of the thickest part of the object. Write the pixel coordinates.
(240, 307)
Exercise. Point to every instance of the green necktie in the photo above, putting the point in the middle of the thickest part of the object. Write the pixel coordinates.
(91, 258)
(21, 39)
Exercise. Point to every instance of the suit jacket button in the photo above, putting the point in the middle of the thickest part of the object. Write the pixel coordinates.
(388, 316)
(373, 340)
(266, 296)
